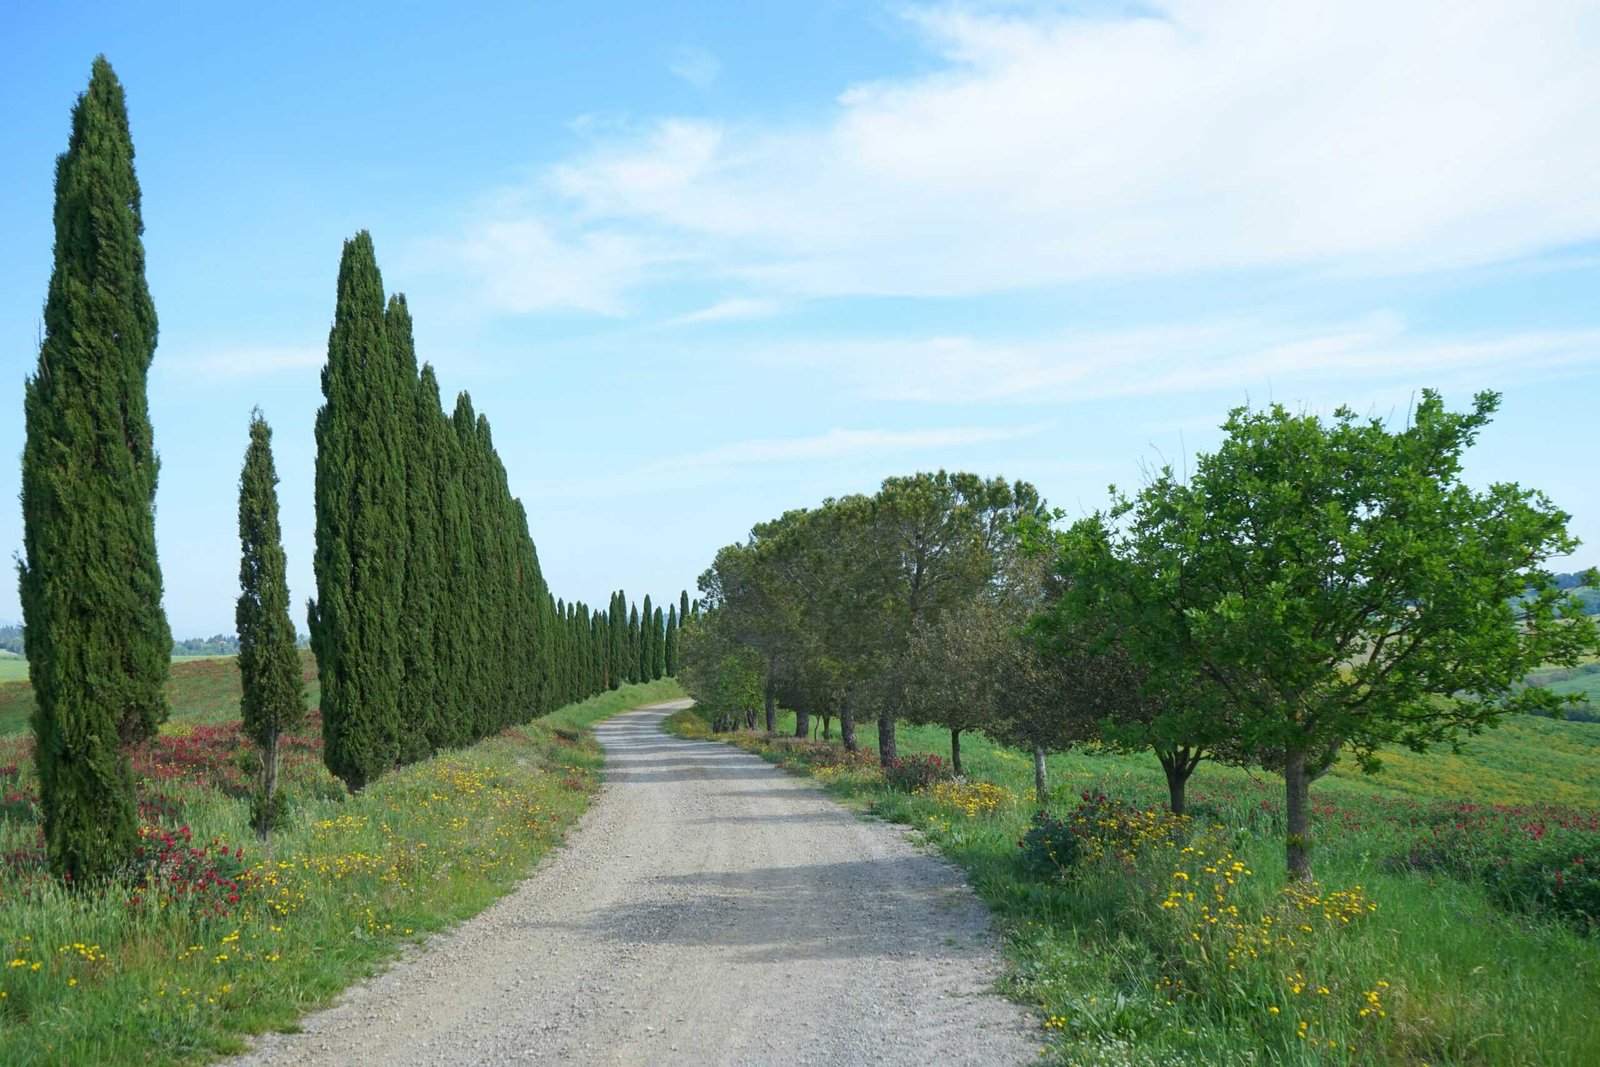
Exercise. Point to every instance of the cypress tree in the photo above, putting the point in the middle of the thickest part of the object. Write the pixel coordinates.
(658, 645)
(683, 607)
(635, 646)
(423, 588)
(361, 534)
(269, 665)
(472, 594)
(97, 640)
(647, 644)
(617, 645)
(436, 443)
(672, 641)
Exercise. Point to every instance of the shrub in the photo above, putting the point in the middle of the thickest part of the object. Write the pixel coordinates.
(1050, 848)
(913, 773)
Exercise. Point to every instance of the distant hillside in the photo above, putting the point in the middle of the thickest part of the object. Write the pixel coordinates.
(198, 691)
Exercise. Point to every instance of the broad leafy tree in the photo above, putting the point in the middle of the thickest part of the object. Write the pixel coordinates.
(1344, 587)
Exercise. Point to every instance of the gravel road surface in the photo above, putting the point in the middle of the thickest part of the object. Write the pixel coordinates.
(707, 909)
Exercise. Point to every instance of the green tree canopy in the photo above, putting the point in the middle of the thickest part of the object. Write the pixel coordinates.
(1343, 586)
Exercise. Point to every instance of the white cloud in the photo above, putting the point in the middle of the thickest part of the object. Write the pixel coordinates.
(1362, 136)
(694, 470)
(521, 265)
(737, 309)
(1185, 358)
(838, 443)
(695, 65)
(238, 363)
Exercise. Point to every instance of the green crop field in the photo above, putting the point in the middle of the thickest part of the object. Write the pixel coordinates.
(12, 667)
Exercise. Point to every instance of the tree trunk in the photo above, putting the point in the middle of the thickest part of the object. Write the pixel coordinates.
(1041, 779)
(888, 752)
(955, 752)
(1178, 764)
(847, 723)
(269, 785)
(772, 698)
(827, 726)
(1297, 786)
(802, 724)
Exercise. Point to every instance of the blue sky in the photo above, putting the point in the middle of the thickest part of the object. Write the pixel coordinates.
(701, 263)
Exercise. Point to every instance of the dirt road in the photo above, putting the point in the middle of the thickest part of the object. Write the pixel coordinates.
(708, 909)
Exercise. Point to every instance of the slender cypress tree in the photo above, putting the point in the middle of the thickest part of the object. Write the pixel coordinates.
(672, 641)
(658, 645)
(423, 588)
(635, 646)
(269, 665)
(97, 639)
(617, 647)
(361, 531)
(647, 645)
(683, 607)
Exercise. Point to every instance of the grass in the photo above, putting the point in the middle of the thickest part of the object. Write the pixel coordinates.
(221, 937)
(1383, 963)
(201, 690)
(12, 668)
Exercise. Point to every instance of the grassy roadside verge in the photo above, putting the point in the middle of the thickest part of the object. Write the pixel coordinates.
(1178, 942)
(226, 939)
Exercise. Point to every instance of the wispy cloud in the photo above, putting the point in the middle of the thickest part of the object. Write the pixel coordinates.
(1046, 146)
(933, 446)
(737, 309)
(1182, 358)
(239, 363)
(695, 65)
(838, 443)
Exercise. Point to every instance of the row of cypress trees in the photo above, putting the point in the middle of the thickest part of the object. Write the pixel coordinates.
(432, 625)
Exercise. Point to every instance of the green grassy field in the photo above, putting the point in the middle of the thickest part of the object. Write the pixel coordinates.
(201, 690)
(221, 937)
(12, 667)
(1382, 962)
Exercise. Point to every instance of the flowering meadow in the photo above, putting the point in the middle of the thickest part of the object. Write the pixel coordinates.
(1453, 919)
(213, 935)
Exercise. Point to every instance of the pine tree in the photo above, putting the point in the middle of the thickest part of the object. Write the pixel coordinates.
(361, 540)
(269, 665)
(96, 636)
(672, 641)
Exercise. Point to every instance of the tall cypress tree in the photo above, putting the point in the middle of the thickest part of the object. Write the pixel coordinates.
(683, 607)
(617, 645)
(269, 665)
(423, 587)
(635, 646)
(647, 646)
(671, 651)
(658, 645)
(361, 539)
(97, 639)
